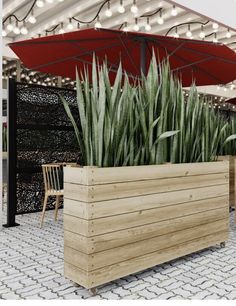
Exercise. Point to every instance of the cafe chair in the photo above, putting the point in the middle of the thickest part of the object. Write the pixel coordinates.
(53, 184)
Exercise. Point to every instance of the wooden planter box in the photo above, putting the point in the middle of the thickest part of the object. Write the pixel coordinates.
(232, 178)
(118, 221)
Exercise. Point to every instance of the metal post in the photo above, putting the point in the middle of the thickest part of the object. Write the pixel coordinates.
(18, 70)
(12, 155)
(143, 61)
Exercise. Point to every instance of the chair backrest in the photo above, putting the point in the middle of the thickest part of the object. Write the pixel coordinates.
(53, 177)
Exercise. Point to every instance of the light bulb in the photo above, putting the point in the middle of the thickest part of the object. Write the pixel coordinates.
(215, 26)
(4, 33)
(23, 75)
(202, 34)
(228, 34)
(61, 31)
(24, 30)
(174, 11)
(160, 20)
(125, 28)
(134, 8)
(215, 40)
(148, 27)
(121, 8)
(218, 87)
(70, 25)
(189, 33)
(32, 19)
(40, 3)
(232, 87)
(176, 35)
(16, 30)
(136, 27)
(98, 24)
(108, 13)
(10, 27)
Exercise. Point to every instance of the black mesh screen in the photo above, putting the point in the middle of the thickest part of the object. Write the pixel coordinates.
(44, 135)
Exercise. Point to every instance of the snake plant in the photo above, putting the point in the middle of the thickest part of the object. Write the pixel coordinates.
(143, 123)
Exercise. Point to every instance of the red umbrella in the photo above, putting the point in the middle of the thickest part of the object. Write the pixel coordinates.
(204, 62)
(231, 101)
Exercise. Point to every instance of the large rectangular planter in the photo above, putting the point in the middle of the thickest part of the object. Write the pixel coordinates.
(118, 221)
(232, 178)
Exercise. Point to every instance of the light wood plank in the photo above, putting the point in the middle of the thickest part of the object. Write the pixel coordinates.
(103, 242)
(139, 188)
(80, 226)
(139, 248)
(124, 174)
(118, 222)
(127, 205)
(107, 274)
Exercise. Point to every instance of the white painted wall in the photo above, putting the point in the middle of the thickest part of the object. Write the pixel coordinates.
(223, 12)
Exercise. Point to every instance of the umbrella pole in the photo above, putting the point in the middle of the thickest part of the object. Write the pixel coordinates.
(143, 62)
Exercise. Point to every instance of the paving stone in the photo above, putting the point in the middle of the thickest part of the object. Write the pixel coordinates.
(48, 295)
(10, 296)
(31, 267)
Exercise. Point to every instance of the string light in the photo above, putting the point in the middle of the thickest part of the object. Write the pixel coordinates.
(160, 19)
(108, 12)
(176, 35)
(136, 26)
(228, 34)
(4, 33)
(121, 8)
(70, 25)
(174, 11)
(215, 26)
(40, 3)
(215, 40)
(61, 31)
(134, 8)
(16, 29)
(32, 18)
(98, 23)
(202, 33)
(148, 26)
(189, 33)
(10, 26)
(24, 30)
(125, 29)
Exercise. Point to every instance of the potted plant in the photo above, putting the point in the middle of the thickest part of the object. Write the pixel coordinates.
(228, 152)
(150, 189)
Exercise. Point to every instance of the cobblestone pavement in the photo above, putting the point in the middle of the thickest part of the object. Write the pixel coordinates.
(31, 267)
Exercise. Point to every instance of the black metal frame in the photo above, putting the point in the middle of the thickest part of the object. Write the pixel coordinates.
(12, 156)
(12, 163)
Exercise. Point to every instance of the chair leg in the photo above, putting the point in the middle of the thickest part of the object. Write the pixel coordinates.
(56, 207)
(44, 209)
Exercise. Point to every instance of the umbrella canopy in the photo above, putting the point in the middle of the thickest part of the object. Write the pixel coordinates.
(191, 60)
(231, 101)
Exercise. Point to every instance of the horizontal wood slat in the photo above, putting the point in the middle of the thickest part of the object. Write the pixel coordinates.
(139, 248)
(139, 188)
(126, 205)
(103, 242)
(95, 175)
(109, 273)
